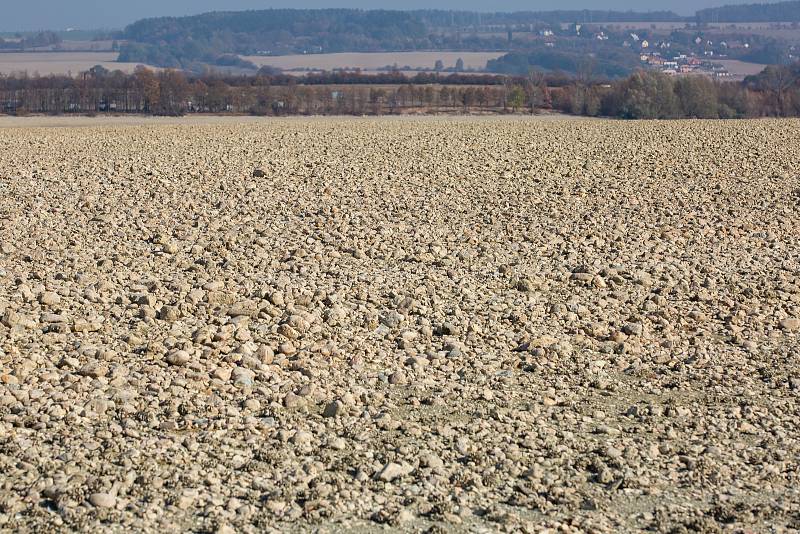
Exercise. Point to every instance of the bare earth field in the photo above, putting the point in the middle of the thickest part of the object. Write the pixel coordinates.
(375, 61)
(78, 46)
(741, 69)
(422, 324)
(45, 63)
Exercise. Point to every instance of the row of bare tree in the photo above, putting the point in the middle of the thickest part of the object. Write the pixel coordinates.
(170, 92)
(645, 94)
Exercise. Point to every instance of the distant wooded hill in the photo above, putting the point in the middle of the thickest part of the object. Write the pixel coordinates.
(780, 12)
(179, 42)
(212, 38)
(219, 38)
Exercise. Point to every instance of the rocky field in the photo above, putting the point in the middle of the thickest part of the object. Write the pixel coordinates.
(421, 325)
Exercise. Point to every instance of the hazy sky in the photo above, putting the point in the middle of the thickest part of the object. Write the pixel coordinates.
(86, 14)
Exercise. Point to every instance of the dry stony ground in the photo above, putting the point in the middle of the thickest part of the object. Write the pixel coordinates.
(429, 324)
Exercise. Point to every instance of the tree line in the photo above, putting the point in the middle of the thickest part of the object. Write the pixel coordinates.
(170, 92)
(775, 92)
(643, 95)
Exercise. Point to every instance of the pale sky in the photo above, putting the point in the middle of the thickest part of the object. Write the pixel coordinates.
(90, 14)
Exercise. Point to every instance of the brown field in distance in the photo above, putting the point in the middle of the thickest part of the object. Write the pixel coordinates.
(374, 60)
(77, 46)
(740, 69)
(45, 63)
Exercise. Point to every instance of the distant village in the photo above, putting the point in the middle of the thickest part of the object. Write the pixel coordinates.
(658, 56)
(730, 52)
(684, 64)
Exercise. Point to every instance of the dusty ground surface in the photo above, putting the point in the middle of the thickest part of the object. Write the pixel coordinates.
(442, 325)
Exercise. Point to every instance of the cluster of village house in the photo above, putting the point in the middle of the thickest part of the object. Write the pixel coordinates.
(684, 64)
